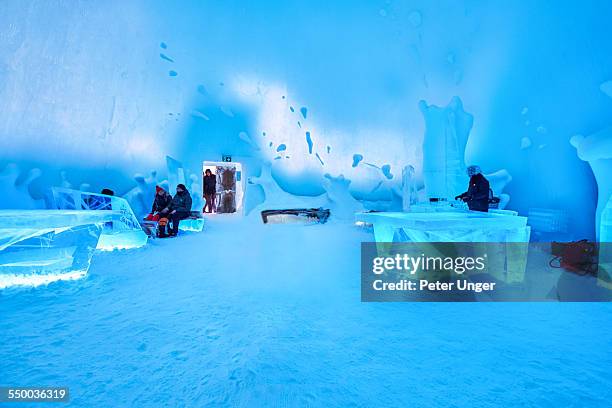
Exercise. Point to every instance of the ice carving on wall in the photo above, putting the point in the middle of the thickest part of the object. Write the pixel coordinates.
(409, 193)
(444, 169)
(15, 193)
(596, 149)
(176, 174)
(141, 197)
(606, 88)
(275, 198)
(196, 191)
(342, 204)
(497, 182)
(446, 134)
(337, 196)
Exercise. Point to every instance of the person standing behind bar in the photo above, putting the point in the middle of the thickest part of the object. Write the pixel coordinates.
(210, 190)
(477, 196)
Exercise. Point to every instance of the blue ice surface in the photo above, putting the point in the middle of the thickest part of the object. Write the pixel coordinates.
(290, 329)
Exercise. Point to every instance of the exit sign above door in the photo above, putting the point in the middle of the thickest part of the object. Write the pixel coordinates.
(227, 158)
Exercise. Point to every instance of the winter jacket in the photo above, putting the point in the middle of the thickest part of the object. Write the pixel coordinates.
(181, 202)
(161, 202)
(210, 184)
(477, 196)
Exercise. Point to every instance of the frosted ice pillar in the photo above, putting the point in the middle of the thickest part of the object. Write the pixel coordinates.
(408, 188)
(176, 174)
(446, 134)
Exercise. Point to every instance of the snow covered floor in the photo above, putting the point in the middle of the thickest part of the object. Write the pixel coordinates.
(252, 315)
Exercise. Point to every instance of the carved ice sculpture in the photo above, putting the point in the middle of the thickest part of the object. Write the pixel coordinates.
(124, 233)
(17, 195)
(176, 174)
(195, 188)
(141, 197)
(41, 246)
(446, 134)
(497, 182)
(597, 150)
(409, 193)
(604, 272)
(341, 203)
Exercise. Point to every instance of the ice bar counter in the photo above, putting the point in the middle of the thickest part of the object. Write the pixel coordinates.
(447, 226)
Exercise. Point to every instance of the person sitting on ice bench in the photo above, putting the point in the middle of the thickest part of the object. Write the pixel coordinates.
(180, 208)
(161, 205)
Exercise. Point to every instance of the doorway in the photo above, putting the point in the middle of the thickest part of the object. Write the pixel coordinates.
(229, 194)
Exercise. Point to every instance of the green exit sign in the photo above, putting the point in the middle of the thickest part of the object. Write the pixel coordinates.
(227, 158)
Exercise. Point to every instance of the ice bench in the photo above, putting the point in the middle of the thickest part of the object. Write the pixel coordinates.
(42, 246)
(123, 233)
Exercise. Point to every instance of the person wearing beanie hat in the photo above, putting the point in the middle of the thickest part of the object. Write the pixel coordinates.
(180, 208)
(161, 204)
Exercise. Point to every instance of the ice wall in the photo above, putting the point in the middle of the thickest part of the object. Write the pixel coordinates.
(104, 91)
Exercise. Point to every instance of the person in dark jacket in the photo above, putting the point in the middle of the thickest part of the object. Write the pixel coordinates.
(161, 204)
(210, 190)
(477, 196)
(180, 207)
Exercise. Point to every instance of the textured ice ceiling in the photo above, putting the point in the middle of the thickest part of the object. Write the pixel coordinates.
(102, 90)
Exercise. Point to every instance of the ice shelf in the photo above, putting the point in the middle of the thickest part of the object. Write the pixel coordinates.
(41, 246)
(122, 233)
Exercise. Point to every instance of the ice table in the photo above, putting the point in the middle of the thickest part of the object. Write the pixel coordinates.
(124, 233)
(42, 246)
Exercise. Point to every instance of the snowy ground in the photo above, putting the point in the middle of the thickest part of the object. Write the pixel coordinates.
(252, 315)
